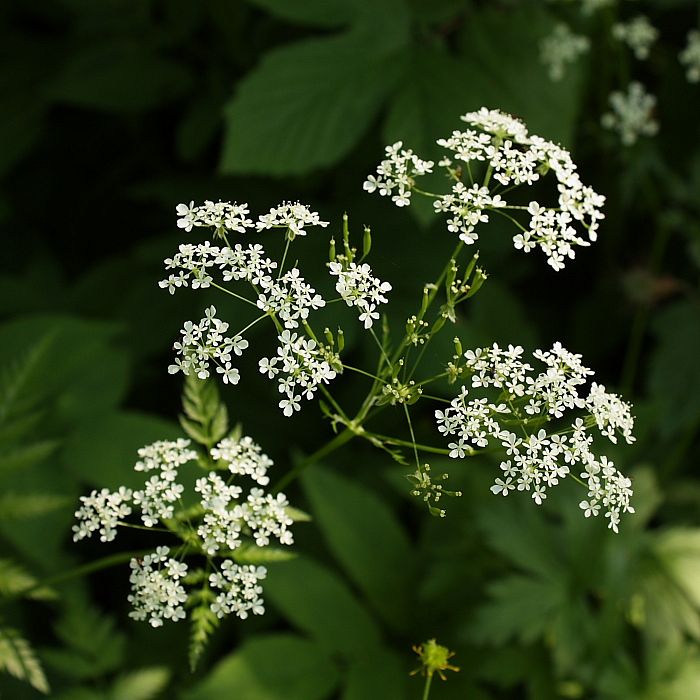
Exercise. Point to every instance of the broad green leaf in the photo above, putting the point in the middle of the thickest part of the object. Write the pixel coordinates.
(103, 452)
(367, 540)
(271, 667)
(318, 603)
(383, 675)
(307, 104)
(319, 13)
(24, 457)
(520, 608)
(500, 49)
(144, 684)
(19, 660)
(678, 550)
(121, 76)
(674, 372)
(250, 554)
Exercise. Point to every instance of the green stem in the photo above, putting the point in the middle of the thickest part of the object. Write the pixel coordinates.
(405, 443)
(426, 689)
(338, 441)
(233, 294)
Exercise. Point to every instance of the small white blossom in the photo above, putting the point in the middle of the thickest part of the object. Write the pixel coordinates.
(638, 33)
(561, 48)
(241, 592)
(302, 365)
(221, 216)
(101, 511)
(157, 592)
(205, 342)
(244, 457)
(396, 174)
(632, 114)
(537, 458)
(292, 216)
(690, 57)
(358, 287)
(291, 298)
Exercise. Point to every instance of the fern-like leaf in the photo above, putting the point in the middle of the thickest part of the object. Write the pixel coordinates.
(205, 417)
(204, 622)
(15, 506)
(15, 580)
(19, 660)
(14, 379)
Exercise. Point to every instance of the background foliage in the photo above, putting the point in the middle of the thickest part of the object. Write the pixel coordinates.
(115, 111)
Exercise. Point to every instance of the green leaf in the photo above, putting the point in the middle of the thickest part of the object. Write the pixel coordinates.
(144, 684)
(500, 49)
(24, 457)
(367, 540)
(272, 667)
(306, 105)
(14, 579)
(203, 623)
(250, 554)
(319, 604)
(91, 644)
(103, 452)
(19, 660)
(123, 76)
(381, 676)
(674, 371)
(15, 506)
(319, 13)
(521, 607)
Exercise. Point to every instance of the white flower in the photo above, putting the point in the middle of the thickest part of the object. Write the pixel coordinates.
(690, 57)
(292, 216)
(203, 343)
(543, 457)
(561, 48)
(639, 34)
(157, 593)
(291, 298)
(632, 114)
(240, 590)
(221, 216)
(398, 172)
(358, 287)
(244, 457)
(102, 510)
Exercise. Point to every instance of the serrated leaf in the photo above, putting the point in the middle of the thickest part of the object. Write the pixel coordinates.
(315, 600)
(144, 684)
(366, 539)
(194, 431)
(271, 667)
(15, 506)
(306, 105)
(203, 622)
(14, 579)
(19, 660)
(521, 608)
(219, 424)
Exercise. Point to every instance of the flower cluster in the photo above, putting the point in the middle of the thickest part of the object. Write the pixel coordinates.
(690, 57)
(290, 298)
(501, 146)
(398, 172)
(221, 216)
(292, 216)
(157, 591)
(561, 48)
(222, 521)
(240, 590)
(204, 342)
(631, 114)
(358, 287)
(303, 365)
(537, 459)
(639, 34)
